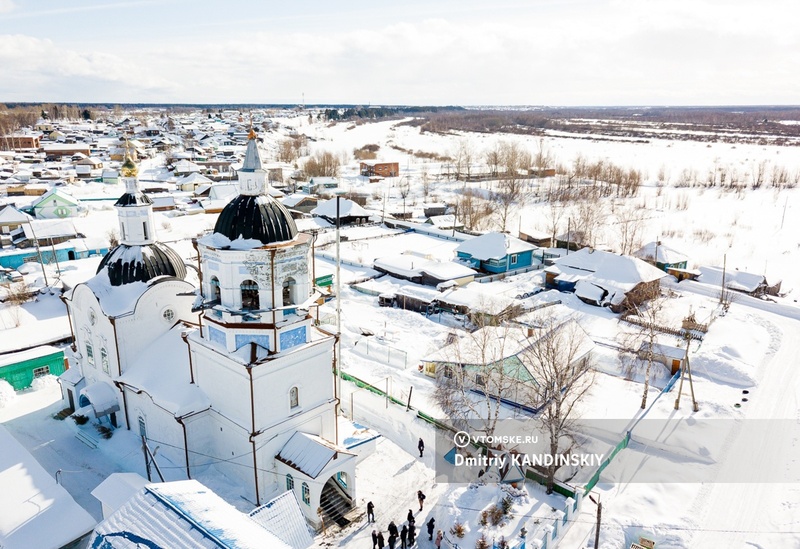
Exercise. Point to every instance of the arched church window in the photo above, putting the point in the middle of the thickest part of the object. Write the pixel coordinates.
(249, 295)
(289, 482)
(294, 397)
(104, 359)
(306, 494)
(89, 352)
(288, 291)
(215, 291)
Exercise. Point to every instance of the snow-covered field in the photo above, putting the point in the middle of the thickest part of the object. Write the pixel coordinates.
(753, 348)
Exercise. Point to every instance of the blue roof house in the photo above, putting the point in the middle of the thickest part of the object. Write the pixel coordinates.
(495, 253)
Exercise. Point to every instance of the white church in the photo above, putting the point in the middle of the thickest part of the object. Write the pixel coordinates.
(235, 374)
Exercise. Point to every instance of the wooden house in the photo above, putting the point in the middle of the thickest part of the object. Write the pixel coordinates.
(495, 253)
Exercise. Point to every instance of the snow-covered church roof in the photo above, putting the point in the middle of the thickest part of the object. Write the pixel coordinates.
(181, 515)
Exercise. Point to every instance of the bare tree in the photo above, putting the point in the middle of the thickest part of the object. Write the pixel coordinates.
(469, 384)
(558, 357)
(630, 224)
(322, 164)
(555, 214)
(650, 322)
(16, 294)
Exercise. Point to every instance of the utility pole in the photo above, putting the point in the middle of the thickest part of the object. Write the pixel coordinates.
(722, 290)
(338, 316)
(599, 514)
(684, 371)
(39, 251)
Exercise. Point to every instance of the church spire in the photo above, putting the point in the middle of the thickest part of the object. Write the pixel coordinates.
(135, 209)
(252, 176)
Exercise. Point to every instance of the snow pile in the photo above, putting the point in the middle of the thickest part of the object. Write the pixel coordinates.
(44, 382)
(7, 394)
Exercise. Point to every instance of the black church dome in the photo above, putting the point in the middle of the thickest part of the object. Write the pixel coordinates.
(126, 264)
(259, 217)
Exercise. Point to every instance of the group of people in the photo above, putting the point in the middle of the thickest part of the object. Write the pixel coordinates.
(407, 535)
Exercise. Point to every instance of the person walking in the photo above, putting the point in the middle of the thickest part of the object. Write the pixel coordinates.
(403, 536)
(431, 528)
(392, 529)
(421, 446)
(410, 517)
(374, 539)
(420, 498)
(412, 533)
(439, 537)
(370, 512)
(381, 542)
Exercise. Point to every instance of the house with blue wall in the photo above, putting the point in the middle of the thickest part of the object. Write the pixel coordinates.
(495, 253)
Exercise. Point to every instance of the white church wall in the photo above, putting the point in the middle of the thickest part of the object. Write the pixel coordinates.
(224, 380)
(162, 431)
(307, 368)
(150, 319)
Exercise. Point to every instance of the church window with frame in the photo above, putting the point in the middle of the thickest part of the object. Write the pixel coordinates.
(289, 482)
(294, 397)
(306, 494)
(288, 291)
(89, 352)
(215, 291)
(104, 359)
(250, 299)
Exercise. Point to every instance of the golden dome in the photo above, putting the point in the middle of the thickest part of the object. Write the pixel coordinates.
(128, 168)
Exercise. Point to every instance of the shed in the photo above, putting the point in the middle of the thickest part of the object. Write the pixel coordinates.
(20, 369)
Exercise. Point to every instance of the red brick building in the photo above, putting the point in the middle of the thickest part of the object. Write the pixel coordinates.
(371, 168)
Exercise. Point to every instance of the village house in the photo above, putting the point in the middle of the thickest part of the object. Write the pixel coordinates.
(373, 168)
(57, 204)
(495, 253)
(604, 278)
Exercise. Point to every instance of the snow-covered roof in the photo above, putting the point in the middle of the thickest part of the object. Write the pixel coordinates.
(493, 246)
(193, 178)
(347, 208)
(102, 397)
(35, 511)
(282, 517)
(484, 346)
(410, 265)
(660, 252)
(476, 300)
(183, 514)
(9, 214)
(608, 269)
(115, 300)
(309, 454)
(162, 371)
(734, 279)
(294, 199)
(589, 292)
(49, 228)
(118, 488)
(220, 241)
(28, 354)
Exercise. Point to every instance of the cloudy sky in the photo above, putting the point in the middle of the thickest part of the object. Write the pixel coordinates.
(434, 52)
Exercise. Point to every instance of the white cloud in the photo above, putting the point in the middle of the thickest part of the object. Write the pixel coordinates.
(612, 52)
(6, 6)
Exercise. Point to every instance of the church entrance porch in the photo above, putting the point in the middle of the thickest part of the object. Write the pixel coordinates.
(335, 504)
